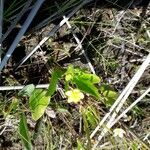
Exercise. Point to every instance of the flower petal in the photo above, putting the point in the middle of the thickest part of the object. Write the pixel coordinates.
(74, 95)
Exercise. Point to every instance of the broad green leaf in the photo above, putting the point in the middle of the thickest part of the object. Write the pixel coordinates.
(84, 81)
(38, 102)
(83, 74)
(90, 77)
(27, 90)
(86, 86)
(109, 94)
(57, 73)
(24, 133)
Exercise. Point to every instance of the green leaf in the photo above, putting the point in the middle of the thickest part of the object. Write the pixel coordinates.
(91, 116)
(109, 94)
(24, 133)
(57, 73)
(27, 90)
(90, 77)
(38, 102)
(83, 74)
(86, 86)
(135, 145)
(86, 129)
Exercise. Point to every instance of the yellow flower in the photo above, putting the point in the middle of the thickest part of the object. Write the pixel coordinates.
(119, 132)
(74, 96)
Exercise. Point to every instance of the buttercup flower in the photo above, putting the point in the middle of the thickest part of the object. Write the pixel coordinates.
(119, 132)
(74, 95)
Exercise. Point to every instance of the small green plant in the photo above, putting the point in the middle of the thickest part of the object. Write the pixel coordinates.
(82, 80)
(24, 133)
(77, 83)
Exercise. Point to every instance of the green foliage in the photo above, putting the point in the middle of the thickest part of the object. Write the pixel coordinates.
(38, 102)
(90, 78)
(24, 133)
(109, 94)
(57, 73)
(91, 116)
(75, 78)
(86, 127)
(137, 111)
(135, 146)
(13, 8)
(86, 86)
(71, 129)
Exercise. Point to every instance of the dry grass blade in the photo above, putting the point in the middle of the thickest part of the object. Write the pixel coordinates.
(21, 33)
(130, 107)
(51, 33)
(122, 98)
(80, 46)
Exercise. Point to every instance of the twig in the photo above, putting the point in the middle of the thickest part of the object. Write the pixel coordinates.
(21, 32)
(119, 17)
(145, 146)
